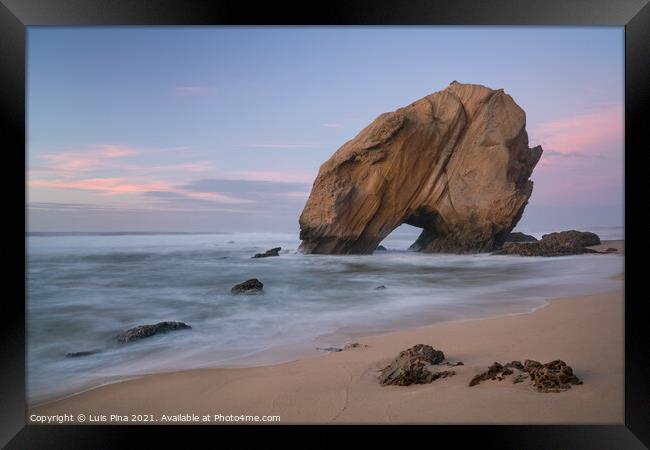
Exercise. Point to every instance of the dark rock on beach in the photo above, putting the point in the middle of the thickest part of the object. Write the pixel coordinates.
(84, 353)
(144, 331)
(273, 252)
(497, 372)
(413, 366)
(570, 242)
(520, 237)
(252, 286)
(555, 376)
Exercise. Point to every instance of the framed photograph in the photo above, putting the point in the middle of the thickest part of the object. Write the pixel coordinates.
(367, 214)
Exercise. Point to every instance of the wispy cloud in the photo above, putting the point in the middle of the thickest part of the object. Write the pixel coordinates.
(556, 154)
(124, 175)
(101, 157)
(72, 163)
(584, 133)
(242, 187)
(116, 186)
(275, 176)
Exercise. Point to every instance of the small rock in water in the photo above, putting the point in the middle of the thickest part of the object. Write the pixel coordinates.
(412, 366)
(379, 288)
(381, 248)
(329, 349)
(84, 353)
(231, 242)
(144, 331)
(252, 286)
(353, 345)
(273, 252)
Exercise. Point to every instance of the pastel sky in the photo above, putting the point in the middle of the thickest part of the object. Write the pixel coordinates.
(224, 128)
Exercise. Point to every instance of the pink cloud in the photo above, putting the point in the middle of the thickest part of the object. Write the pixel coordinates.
(104, 185)
(75, 163)
(117, 186)
(71, 163)
(583, 133)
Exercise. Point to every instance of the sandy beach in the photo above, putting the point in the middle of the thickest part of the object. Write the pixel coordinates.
(586, 332)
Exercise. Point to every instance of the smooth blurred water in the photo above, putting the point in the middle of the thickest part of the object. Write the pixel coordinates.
(83, 290)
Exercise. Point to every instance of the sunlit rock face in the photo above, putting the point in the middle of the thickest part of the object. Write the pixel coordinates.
(455, 163)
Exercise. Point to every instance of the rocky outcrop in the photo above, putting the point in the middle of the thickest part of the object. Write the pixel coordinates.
(570, 242)
(273, 252)
(413, 366)
(520, 237)
(455, 163)
(252, 286)
(555, 376)
(381, 248)
(144, 331)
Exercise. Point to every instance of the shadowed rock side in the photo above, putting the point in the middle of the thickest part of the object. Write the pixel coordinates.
(520, 237)
(455, 163)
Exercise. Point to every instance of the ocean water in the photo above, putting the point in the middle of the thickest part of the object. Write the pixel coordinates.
(85, 289)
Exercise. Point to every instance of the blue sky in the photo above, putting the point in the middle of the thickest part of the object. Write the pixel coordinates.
(224, 128)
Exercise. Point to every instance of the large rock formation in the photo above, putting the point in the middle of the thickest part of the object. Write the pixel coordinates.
(455, 163)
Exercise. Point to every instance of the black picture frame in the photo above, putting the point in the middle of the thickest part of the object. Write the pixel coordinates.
(634, 15)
